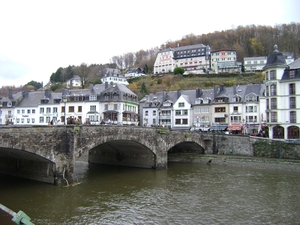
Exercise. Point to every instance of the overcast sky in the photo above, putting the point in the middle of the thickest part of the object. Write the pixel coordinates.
(37, 37)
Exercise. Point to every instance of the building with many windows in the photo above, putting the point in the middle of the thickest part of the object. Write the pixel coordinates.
(233, 108)
(224, 60)
(193, 58)
(114, 76)
(253, 64)
(112, 103)
(164, 62)
(282, 96)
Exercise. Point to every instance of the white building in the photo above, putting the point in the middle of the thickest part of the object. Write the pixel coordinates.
(164, 62)
(253, 64)
(114, 76)
(224, 60)
(135, 72)
(282, 96)
(73, 82)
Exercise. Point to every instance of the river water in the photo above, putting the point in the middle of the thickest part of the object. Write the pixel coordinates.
(183, 194)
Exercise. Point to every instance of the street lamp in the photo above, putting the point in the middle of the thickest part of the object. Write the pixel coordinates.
(65, 99)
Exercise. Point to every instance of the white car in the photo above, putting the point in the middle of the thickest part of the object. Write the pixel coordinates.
(204, 129)
(194, 129)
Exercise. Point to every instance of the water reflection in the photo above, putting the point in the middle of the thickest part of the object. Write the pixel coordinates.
(183, 194)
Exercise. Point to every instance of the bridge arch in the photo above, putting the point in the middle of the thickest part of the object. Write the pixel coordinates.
(187, 147)
(122, 153)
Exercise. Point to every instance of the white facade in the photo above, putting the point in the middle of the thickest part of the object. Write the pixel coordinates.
(115, 79)
(73, 82)
(252, 64)
(282, 91)
(224, 61)
(182, 113)
(164, 62)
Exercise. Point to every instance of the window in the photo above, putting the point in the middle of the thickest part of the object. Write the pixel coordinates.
(55, 109)
(18, 111)
(47, 119)
(41, 110)
(293, 117)
(93, 97)
(181, 104)
(292, 102)
(235, 109)
(33, 111)
(184, 112)
(146, 113)
(154, 113)
(28, 111)
(292, 89)
(22, 120)
(48, 110)
(273, 116)
(23, 111)
(292, 73)
(32, 120)
(273, 75)
(273, 103)
(220, 109)
(41, 119)
(71, 108)
(92, 108)
(178, 112)
(154, 121)
(28, 120)
(273, 90)
(184, 121)
(79, 109)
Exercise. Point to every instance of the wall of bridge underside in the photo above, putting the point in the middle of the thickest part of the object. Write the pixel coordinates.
(26, 165)
(123, 153)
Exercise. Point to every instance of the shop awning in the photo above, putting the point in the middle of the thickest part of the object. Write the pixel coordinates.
(235, 127)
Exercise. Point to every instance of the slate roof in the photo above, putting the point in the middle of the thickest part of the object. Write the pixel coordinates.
(115, 88)
(33, 99)
(295, 65)
(276, 58)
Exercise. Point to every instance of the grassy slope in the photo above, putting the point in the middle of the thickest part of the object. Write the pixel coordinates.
(174, 82)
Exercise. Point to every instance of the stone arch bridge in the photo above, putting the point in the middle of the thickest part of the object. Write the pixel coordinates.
(48, 153)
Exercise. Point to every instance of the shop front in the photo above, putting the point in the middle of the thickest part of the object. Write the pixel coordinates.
(235, 128)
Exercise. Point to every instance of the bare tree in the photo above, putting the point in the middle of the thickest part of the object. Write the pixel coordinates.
(128, 59)
(83, 71)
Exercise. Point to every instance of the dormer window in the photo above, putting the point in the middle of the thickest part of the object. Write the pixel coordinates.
(44, 101)
(93, 97)
(292, 73)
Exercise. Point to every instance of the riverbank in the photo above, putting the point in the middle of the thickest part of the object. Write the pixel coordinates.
(239, 161)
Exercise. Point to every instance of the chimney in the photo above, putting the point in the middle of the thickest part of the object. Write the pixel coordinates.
(47, 93)
(178, 93)
(10, 94)
(234, 89)
(164, 95)
(106, 85)
(198, 92)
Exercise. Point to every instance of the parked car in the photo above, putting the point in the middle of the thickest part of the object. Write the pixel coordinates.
(204, 129)
(194, 129)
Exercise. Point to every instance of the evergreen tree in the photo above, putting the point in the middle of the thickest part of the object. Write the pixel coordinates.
(144, 90)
